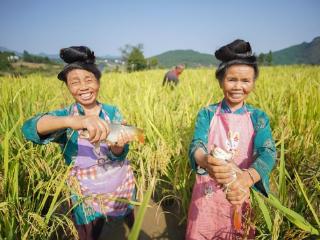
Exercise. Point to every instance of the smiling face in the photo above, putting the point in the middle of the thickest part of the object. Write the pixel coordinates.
(83, 86)
(237, 83)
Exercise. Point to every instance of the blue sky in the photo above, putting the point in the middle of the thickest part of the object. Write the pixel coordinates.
(202, 25)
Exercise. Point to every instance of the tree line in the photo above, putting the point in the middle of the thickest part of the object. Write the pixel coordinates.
(27, 57)
(135, 60)
(265, 59)
(7, 58)
(132, 55)
(5, 64)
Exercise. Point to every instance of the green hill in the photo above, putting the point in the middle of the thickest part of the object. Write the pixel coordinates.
(304, 53)
(190, 58)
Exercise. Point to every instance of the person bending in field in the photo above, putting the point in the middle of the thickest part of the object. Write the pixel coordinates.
(172, 77)
(99, 174)
(232, 151)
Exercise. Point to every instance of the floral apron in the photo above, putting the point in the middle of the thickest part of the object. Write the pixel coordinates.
(210, 213)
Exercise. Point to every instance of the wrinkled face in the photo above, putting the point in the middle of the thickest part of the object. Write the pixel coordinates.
(83, 86)
(237, 83)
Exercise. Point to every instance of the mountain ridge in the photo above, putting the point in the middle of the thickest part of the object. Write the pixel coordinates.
(303, 53)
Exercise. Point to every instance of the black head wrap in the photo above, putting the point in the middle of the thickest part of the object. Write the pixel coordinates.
(78, 58)
(237, 52)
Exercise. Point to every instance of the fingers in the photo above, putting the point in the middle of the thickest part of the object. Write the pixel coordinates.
(237, 193)
(222, 169)
(99, 132)
(92, 132)
(98, 129)
(105, 130)
(215, 161)
(223, 174)
(238, 197)
(106, 127)
(218, 165)
(221, 178)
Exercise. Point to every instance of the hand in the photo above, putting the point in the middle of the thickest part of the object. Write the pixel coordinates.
(98, 128)
(222, 171)
(239, 191)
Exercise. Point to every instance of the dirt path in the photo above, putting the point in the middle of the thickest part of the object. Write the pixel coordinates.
(157, 224)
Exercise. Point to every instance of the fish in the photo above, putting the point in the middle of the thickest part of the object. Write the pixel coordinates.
(221, 154)
(115, 131)
(227, 157)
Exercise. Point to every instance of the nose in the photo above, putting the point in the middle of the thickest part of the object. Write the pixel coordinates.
(237, 85)
(83, 85)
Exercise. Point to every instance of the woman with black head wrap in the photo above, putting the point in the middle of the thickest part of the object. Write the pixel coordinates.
(232, 150)
(100, 172)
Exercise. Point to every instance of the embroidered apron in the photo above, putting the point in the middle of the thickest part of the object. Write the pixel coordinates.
(99, 180)
(210, 213)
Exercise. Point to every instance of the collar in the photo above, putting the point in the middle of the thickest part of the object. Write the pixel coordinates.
(81, 110)
(226, 109)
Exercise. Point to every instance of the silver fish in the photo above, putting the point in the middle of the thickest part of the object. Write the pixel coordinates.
(227, 157)
(115, 131)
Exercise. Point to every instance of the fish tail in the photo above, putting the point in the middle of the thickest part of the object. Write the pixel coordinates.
(140, 137)
(237, 218)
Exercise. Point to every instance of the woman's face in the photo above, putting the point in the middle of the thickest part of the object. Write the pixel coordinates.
(237, 83)
(83, 86)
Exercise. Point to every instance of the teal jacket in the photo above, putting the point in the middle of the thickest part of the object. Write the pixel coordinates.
(68, 138)
(264, 149)
(68, 141)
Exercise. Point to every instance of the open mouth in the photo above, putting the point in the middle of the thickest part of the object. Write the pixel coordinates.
(86, 96)
(236, 95)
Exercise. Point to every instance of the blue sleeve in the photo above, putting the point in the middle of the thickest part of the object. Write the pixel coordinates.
(29, 129)
(200, 136)
(264, 151)
(115, 116)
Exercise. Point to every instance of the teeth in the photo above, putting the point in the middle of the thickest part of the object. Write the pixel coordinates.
(238, 95)
(85, 96)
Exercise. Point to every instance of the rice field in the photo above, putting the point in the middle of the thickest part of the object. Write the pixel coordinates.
(33, 196)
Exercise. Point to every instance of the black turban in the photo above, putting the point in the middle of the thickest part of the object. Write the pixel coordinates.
(78, 58)
(237, 52)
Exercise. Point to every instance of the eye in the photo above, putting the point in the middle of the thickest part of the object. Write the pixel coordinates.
(74, 83)
(232, 80)
(247, 80)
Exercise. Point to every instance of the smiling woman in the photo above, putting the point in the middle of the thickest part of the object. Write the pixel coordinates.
(237, 84)
(83, 87)
(94, 163)
(220, 199)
